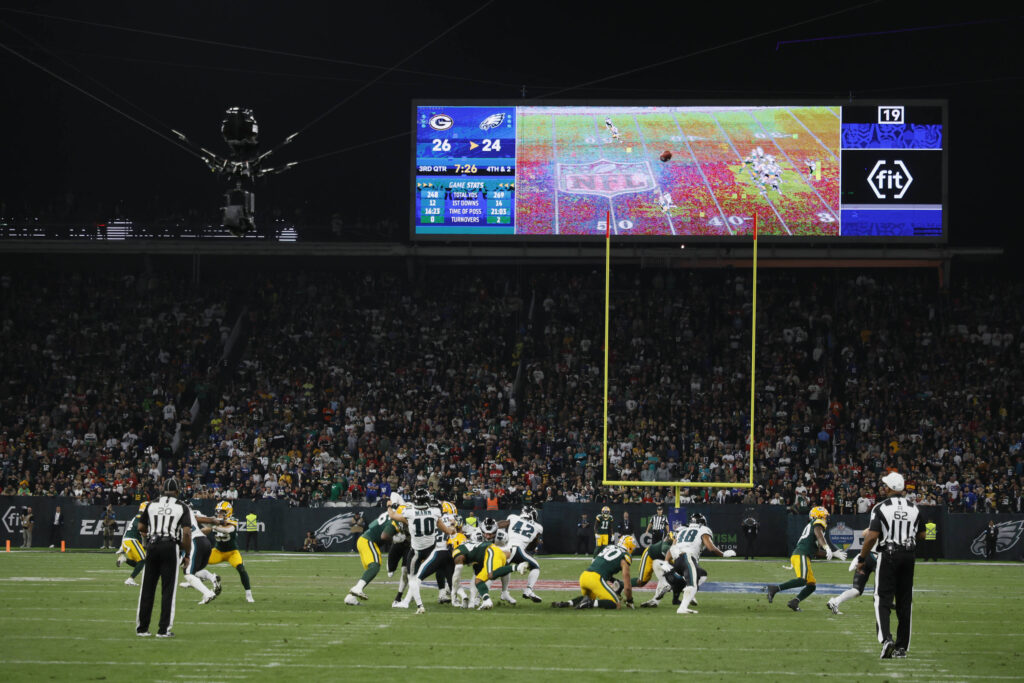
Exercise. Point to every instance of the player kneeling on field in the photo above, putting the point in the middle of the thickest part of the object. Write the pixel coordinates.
(597, 583)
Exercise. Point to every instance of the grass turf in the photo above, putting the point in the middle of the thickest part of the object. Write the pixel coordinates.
(69, 617)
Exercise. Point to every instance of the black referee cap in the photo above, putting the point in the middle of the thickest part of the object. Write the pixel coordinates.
(171, 486)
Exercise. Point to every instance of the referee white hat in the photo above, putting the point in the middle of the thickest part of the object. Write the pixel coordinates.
(893, 480)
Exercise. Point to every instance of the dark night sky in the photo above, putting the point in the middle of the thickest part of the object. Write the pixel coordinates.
(56, 140)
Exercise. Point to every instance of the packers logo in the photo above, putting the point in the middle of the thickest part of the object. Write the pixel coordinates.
(337, 529)
(1007, 535)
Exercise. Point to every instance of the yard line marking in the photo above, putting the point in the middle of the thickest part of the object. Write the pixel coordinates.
(928, 675)
(643, 141)
(611, 205)
(696, 162)
(811, 133)
(749, 171)
(795, 168)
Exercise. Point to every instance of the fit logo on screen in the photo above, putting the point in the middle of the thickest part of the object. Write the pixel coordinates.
(890, 180)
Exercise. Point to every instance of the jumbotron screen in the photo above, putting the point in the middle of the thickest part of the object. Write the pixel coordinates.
(808, 171)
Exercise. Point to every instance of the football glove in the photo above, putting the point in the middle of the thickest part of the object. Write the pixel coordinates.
(629, 603)
(729, 553)
(828, 553)
(841, 554)
(854, 563)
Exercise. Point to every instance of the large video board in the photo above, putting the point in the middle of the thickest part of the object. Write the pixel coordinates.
(814, 171)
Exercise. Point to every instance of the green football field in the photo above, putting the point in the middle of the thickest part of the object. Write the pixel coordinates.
(70, 617)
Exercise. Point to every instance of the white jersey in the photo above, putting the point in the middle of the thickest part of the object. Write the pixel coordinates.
(690, 541)
(194, 523)
(422, 524)
(441, 539)
(523, 531)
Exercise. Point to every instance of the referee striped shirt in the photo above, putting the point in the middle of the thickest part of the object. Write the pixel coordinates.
(165, 518)
(895, 520)
(658, 522)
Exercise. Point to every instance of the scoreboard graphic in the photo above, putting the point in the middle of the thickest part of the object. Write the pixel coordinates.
(807, 171)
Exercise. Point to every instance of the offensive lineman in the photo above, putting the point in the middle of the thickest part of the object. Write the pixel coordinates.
(480, 551)
(523, 535)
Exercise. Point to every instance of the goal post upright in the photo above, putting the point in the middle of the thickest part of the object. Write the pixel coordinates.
(677, 485)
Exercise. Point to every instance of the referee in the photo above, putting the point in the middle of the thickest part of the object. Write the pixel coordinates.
(894, 528)
(166, 522)
(657, 524)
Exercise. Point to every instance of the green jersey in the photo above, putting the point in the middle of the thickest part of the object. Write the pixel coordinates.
(808, 543)
(131, 531)
(656, 551)
(227, 542)
(603, 525)
(378, 527)
(474, 553)
(608, 562)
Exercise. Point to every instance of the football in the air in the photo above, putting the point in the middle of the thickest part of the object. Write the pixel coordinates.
(666, 155)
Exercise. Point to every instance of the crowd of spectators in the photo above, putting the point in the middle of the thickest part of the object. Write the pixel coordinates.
(486, 385)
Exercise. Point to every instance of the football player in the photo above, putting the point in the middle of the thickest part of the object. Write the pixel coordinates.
(812, 537)
(133, 549)
(487, 559)
(861, 572)
(225, 549)
(665, 201)
(380, 530)
(691, 540)
(650, 565)
(603, 529)
(422, 522)
(596, 583)
(400, 549)
(523, 535)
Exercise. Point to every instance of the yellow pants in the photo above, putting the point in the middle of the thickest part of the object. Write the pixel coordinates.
(494, 558)
(646, 568)
(595, 587)
(601, 539)
(133, 550)
(234, 558)
(802, 567)
(369, 552)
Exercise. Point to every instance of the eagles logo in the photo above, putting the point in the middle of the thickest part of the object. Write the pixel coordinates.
(492, 121)
(337, 529)
(1008, 533)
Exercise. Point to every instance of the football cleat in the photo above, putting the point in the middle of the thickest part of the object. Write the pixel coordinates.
(351, 600)
(685, 610)
(522, 567)
(398, 604)
(217, 587)
(421, 610)
(507, 597)
(650, 603)
(833, 606)
(461, 598)
(585, 603)
(561, 603)
(120, 558)
(887, 648)
(248, 597)
(130, 582)
(693, 601)
(359, 594)
(794, 605)
(208, 598)
(185, 584)
(771, 590)
(485, 604)
(900, 653)
(143, 634)
(169, 634)
(530, 595)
